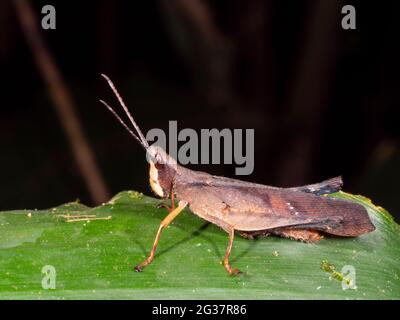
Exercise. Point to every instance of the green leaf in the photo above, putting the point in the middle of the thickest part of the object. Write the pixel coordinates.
(95, 259)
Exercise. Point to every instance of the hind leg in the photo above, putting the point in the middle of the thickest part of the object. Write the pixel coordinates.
(304, 235)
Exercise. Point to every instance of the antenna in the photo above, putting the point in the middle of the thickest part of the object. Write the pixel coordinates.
(142, 139)
(123, 123)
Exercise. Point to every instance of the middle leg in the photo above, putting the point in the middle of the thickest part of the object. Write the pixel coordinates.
(227, 265)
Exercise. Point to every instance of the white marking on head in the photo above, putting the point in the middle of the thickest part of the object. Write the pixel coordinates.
(155, 185)
(157, 155)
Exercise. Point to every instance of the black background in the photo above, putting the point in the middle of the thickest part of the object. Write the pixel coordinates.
(323, 101)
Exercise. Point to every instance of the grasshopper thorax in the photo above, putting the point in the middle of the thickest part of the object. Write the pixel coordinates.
(162, 171)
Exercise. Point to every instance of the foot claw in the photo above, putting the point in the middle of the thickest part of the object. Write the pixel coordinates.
(235, 272)
(163, 205)
(232, 271)
(160, 205)
(138, 268)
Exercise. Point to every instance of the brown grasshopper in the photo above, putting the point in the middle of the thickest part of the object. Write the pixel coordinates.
(250, 209)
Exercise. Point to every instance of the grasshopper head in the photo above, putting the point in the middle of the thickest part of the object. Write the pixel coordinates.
(162, 171)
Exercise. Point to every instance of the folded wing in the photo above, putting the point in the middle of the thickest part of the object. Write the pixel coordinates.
(249, 208)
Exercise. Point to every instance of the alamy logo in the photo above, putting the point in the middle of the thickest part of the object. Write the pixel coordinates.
(49, 18)
(349, 277)
(349, 20)
(237, 146)
(49, 279)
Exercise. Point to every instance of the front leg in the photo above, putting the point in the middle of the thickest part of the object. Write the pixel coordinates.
(167, 220)
(163, 205)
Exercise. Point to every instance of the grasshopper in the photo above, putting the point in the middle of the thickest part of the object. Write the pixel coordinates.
(249, 209)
